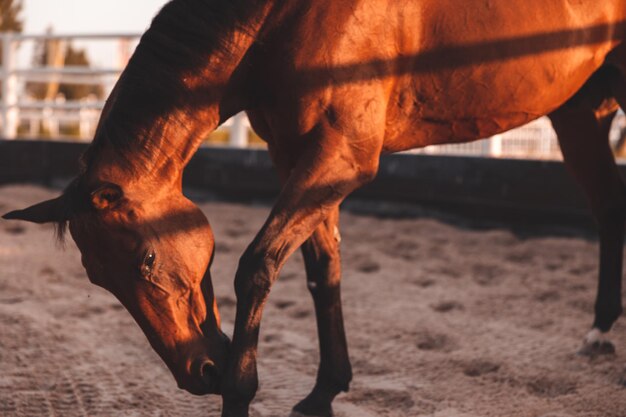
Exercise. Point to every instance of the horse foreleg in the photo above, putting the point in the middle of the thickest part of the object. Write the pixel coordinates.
(582, 126)
(323, 269)
(324, 175)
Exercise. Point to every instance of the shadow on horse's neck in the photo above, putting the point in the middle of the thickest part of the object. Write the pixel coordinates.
(171, 94)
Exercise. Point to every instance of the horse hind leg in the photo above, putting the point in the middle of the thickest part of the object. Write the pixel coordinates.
(582, 126)
(323, 269)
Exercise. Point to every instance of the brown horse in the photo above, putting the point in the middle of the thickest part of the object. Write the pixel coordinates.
(330, 85)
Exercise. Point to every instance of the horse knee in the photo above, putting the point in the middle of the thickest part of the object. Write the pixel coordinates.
(255, 274)
(366, 172)
(322, 268)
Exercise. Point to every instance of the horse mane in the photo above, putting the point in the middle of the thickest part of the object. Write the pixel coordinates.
(178, 42)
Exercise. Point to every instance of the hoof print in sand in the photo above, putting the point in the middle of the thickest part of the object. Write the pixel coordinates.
(15, 229)
(223, 248)
(550, 388)
(521, 257)
(547, 296)
(226, 302)
(486, 275)
(368, 266)
(383, 400)
(435, 342)
(116, 307)
(295, 413)
(271, 338)
(236, 233)
(284, 304)
(622, 379)
(402, 249)
(424, 283)
(300, 314)
(371, 368)
(480, 367)
(47, 270)
(447, 306)
(288, 276)
(584, 305)
(10, 301)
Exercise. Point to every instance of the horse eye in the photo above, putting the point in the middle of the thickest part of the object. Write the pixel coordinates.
(148, 263)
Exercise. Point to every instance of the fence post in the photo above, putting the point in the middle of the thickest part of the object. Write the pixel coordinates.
(86, 117)
(495, 146)
(123, 52)
(238, 135)
(33, 127)
(10, 116)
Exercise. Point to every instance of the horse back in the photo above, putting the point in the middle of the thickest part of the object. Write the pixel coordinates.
(419, 73)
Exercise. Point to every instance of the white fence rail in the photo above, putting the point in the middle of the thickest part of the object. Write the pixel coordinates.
(30, 116)
(536, 140)
(16, 107)
(18, 110)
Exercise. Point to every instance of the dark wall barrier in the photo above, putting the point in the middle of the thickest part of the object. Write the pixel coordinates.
(502, 188)
(38, 161)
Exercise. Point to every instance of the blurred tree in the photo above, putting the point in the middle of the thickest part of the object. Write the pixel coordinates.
(10, 19)
(46, 53)
(78, 58)
(58, 54)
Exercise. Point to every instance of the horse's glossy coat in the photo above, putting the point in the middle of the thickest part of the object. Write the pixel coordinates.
(330, 85)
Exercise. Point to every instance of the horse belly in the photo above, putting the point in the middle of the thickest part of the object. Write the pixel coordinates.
(474, 104)
(461, 87)
(431, 72)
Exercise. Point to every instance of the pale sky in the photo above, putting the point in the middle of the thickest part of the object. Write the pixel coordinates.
(89, 15)
(86, 17)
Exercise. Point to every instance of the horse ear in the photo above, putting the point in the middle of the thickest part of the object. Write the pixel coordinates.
(44, 212)
(106, 196)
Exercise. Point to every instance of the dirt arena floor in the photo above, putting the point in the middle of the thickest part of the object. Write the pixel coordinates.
(442, 321)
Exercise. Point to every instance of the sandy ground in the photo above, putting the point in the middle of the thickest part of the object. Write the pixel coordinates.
(442, 321)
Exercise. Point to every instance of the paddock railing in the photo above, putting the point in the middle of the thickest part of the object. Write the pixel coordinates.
(16, 107)
(26, 117)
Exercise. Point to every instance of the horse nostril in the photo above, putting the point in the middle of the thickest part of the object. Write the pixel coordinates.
(208, 373)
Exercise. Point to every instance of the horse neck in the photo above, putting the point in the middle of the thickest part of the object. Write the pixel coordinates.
(184, 102)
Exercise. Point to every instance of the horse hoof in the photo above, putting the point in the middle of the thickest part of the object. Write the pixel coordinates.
(595, 344)
(295, 413)
(597, 348)
(302, 410)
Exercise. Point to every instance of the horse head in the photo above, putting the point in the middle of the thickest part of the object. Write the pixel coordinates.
(139, 237)
(152, 248)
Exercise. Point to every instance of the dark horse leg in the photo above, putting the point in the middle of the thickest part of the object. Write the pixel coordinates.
(323, 269)
(582, 126)
(328, 169)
